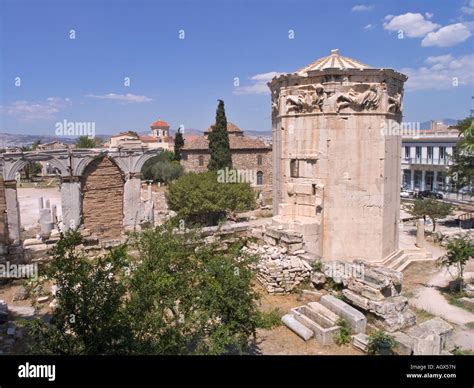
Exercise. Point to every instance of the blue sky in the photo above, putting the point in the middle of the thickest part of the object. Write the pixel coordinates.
(179, 80)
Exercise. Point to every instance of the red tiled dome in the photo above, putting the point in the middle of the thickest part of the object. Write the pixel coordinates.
(160, 124)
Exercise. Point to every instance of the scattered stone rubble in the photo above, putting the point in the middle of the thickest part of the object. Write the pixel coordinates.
(375, 290)
(278, 271)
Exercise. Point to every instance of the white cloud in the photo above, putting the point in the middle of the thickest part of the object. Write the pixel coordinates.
(123, 98)
(428, 15)
(447, 36)
(362, 8)
(259, 84)
(468, 8)
(413, 25)
(440, 73)
(369, 27)
(36, 110)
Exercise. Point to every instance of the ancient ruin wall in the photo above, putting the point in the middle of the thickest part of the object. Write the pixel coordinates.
(3, 216)
(102, 190)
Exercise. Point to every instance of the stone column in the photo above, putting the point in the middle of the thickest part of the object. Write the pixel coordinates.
(412, 179)
(435, 180)
(420, 233)
(422, 183)
(13, 211)
(71, 202)
(131, 201)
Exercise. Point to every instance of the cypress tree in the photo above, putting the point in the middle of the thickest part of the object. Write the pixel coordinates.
(219, 142)
(178, 144)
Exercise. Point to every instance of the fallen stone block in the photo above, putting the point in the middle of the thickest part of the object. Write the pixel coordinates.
(356, 320)
(361, 342)
(441, 328)
(22, 311)
(297, 327)
(398, 321)
(31, 242)
(318, 279)
(319, 319)
(425, 342)
(468, 302)
(310, 295)
(404, 344)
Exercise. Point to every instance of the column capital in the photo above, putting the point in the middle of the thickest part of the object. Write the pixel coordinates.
(70, 179)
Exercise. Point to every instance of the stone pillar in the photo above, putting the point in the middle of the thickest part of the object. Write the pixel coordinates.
(412, 179)
(131, 201)
(71, 203)
(4, 237)
(423, 177)
(435, 180)
(420, 233)
(13, 211)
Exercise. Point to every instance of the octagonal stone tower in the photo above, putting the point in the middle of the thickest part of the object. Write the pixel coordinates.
(336, 157)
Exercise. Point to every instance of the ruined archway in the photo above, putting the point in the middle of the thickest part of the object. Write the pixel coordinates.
(102, 202)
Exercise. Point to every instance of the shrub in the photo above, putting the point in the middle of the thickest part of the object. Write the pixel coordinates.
(201, 199)
(380, 343)
(343, 336)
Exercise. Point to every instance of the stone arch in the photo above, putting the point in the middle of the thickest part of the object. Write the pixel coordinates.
(102, 187)
(21, 163)
(138, 165)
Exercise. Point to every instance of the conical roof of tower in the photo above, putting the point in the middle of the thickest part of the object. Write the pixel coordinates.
(334, 61)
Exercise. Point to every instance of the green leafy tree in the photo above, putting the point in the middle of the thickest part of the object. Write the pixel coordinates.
(162, 168)
(90, 315)
(87, 142)
(202, 199)
(462, 169)
(133, 133)
(430, 208)
(188, 298)
(35, 144)
(178, 145)
(459, 251)
(219, 142)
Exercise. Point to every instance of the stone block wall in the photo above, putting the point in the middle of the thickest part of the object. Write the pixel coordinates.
(4, 239)
(102, 189)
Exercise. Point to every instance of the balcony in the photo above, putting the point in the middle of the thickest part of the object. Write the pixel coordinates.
(428, 161)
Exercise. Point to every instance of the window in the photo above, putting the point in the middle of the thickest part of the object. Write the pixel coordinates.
(430, 152)
(201, 160)
(442, 152)
(294, 168)
(418, 152)
(259, 160)
(259, 178)
(407, 152)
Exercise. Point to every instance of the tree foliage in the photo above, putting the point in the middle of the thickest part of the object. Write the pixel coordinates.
(175, 296)
(189, 297)
(219, 142)
(162, 168)
(178, 145)
(431, 208)
(201, 199)
(462, 169)
(90, 317)
(87, 142)
(459, 251)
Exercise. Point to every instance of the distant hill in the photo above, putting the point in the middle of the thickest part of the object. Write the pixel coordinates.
(20, 140)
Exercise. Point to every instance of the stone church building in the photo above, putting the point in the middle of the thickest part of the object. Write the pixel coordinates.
(249, 156)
